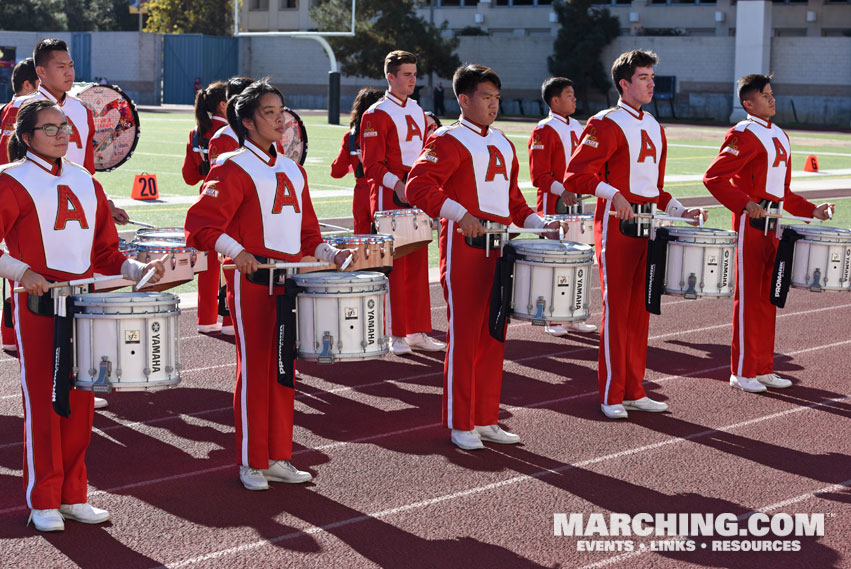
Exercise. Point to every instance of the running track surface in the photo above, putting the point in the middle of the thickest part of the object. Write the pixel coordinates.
(391, 491)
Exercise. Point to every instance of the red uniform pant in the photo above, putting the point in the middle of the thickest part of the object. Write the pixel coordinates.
(360, 210)
(54, 447)
(410, 304)
(622, 262)
(7, 333)
(263, 408)
(472, 371)
(752, 348)
(208, 291)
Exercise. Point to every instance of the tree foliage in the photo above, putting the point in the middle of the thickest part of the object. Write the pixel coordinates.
(67, 15)
(212, 17)
(381, 27)
(47, 15)
(585, 31)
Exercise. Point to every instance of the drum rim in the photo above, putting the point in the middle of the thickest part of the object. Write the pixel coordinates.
(342, 278)
(582, 248)
(134, 112)
(130, 294)
(379, 238)
(163, 247)
(412, 211)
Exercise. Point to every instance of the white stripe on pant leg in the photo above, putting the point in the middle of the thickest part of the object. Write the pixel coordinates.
(546, 201)
(243, 392)
(741, 316)
(453, 339)
(607, 311)
(28, 424)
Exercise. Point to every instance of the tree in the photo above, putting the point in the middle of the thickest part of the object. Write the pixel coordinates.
(585, 31)
(213, 17)
(45, 15)
(381, 27)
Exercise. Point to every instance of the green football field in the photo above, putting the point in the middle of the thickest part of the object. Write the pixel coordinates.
(162, 146)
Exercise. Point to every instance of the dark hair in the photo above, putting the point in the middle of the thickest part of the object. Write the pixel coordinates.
(244, 105)
(624, 66)
(206, 102)
(25, 124)
(750, 84)
(237, 85)
(24, 71)
(42, 52)
(395, 59)
(553, 87)
(365, 99)
(468, 77)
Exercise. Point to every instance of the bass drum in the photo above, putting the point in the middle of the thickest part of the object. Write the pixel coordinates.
(116, 123)
(294, 139)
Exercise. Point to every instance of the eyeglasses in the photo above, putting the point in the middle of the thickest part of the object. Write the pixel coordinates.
(53, 129)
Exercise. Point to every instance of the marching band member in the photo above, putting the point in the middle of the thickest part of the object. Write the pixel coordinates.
(210, 109)
(750, 176)
(621, 160)
(79, 239)
(255, 203)
(391, 137)
(348, 160)
(550, 145)
(467, 174)
(224, 139)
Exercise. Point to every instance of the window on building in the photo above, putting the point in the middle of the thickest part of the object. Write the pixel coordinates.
(258, 5)
(288, 5)
(524, 2)
(612, 2)
(790, 1)
(451, 3)
(674, 2)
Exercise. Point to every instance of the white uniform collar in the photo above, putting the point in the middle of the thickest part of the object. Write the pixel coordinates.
(43, 90)
(265, 156)
(637, 113)
(759, 121)
(480, 130)
(558, 117)
(391, 97)
(50, 166)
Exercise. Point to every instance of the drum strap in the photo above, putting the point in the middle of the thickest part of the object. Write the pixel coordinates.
(501, 291)
(7, 307)
(564, 209)
(223, 301)
(654, 278)
(201, 145)
(63, 360)
(781, 276)
(286, 333)
(353, 150)
(770, 207)
(637, 227)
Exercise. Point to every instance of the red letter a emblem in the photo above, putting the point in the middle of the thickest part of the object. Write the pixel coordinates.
(69, 209)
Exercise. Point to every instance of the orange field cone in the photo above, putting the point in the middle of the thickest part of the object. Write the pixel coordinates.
(145, 187)
(811, 164)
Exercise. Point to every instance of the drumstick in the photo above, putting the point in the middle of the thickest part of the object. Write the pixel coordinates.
(283, 265)
(661, 217)
(140, 224)
(144, 280)
(514, 230)
(76, 282)
(335, 227)
(347, 262)
(792, 217)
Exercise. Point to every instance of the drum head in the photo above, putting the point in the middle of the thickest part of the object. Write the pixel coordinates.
(116, 124)
(551, 248)
(294, 139)
(161, 247)
(399, 212)
(161, 234)
(570, 217)
(702, 234)
(322, 280)
(823, 233)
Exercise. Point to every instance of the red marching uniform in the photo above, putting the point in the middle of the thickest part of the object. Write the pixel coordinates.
(391, 137)
(550, 146)
(622, 149)
(347, 161)
(56, 219)
(80, 143)
(469, 169)
(259, 203)
(754, 165)
(208, 281)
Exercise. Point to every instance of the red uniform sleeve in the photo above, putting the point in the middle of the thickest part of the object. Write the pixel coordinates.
(106, 258)
(89, 160)
(598, 142)
(541, 158)
(7, 125)
(209, 217)
(517, 206)
(191, 164)
(738, 150)
(220, 145)
(373, 145)
(342, 164)
(311, 236)
(432, 169)
(9, 208)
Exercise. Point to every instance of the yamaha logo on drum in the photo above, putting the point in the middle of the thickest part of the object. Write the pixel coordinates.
(580, 274)
(725, 270)
(156, 343)
(370, 304)
(370, 322)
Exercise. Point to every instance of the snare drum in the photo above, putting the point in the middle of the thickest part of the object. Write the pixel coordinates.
(130, 251)
(161, 234)
(822, 259)
(180, 267)
(126, 341)
(700, 262)
(375, 252)
(551, 281)
(580, 226)
(341, 316)
(411, 229)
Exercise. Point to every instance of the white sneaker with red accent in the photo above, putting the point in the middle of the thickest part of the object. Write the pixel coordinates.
(556, 330)
(252, 478)
(749, 384)
(209, 328)
(399, 346)
(284, 471)
(582, 327)
(773, 380)
(85, 513)
(645, 404)
(466, 440)
(228, 331)
(47, 520)
(495, 434)
(424, 342)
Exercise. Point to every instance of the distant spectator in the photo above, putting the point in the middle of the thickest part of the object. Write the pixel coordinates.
(437, 97)
(416, 94)
(197, 85)
(103, 81)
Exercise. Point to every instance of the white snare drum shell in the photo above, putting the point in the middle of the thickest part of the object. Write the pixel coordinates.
(700, 262)
(822, 259)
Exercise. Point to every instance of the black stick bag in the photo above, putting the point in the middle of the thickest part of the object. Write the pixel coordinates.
(223, 301)
(654, 278)
(63, 359)
(781, 276)
(503, 286)
(286, 333)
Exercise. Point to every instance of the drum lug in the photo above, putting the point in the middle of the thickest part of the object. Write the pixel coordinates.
(816, 287)
(538, 319)
(102, 384)
(326, 357)
(690, 293)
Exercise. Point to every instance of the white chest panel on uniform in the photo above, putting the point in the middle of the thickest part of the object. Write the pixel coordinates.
(567, 131)
(492, 156)
(279, 190)
(777, 151)
(644, 138)
(410, 125)
(66, 207)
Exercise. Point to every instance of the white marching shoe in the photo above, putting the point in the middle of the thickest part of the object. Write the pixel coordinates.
(284, 471)
(582, 327)
(209, 328)
(556, 330)
(228, 330)
(645, 404)
(495, 434)
(773, 380)
(424, 342)
(47, 520)
(85, 513)
(749, 384)
(252, 478)
(614, 411)
(399, 346)
(101, 403)
(467, 440)
(10, 347)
